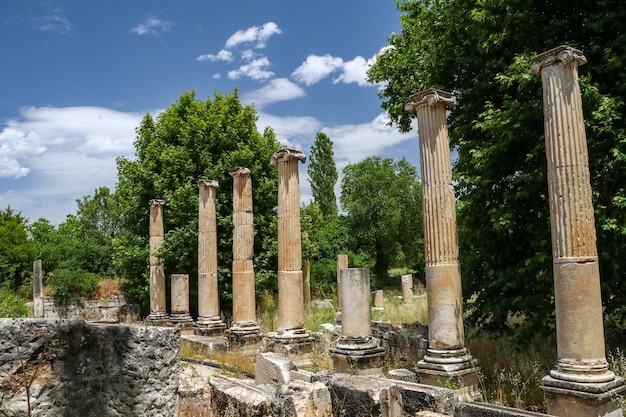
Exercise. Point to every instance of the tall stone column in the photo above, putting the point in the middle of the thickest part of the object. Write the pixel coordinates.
(290, 296)
(180, 300)
(158, 312)
(208, 295)
(447, 357)
(38, 289)
(342, 263)
(581, 381)
(356, 347)
(244, 325)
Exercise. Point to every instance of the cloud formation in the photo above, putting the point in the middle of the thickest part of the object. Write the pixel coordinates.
(279, 89)
(222, 55)
(253, 34)
(315, 68)
(257, 70)
(152, 26)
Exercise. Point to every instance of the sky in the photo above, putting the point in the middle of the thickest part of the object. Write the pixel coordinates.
(76, 78)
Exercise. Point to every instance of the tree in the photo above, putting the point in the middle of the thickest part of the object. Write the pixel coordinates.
(195, 139)
(481, 50)
(323, 174)
(382, 199)
(17, 251)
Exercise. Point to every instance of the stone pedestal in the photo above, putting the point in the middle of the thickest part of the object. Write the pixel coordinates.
(290, 295)
(180, 301)
(158, 312)
(581, 384)
(38, 289)
(244, 329)
(356, 351)
(446, 358)
(407, 289)
(209, 318)
(379, 300)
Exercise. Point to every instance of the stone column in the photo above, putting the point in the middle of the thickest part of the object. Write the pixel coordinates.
(356, 347)
(38, 289)
(379, 300)
(342, 263)
(581, 381)
(447, 357)
(180, 300)
(407, 288)
(244, 324)
(290, 297)
(306, 280)
(158, 311)
(208, 296)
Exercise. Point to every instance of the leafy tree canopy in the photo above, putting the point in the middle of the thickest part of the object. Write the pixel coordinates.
(323, 174)
(195, 139)
(17, 251)
(481, 51)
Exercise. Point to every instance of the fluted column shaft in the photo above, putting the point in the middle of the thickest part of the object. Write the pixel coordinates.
(244, 307)
(578, 302)
(290, 297)
(443, 277)
(208, 295)
(157, 271)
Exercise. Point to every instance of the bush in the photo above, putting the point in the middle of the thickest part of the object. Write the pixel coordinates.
(11, 304)
(71, 285)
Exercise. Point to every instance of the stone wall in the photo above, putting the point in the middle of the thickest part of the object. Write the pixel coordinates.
(114, 308)
(75, 368)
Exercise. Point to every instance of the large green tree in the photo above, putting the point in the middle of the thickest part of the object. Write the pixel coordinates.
(323, 174)
(195, 139)
(17, 251)
(481, 50)
(382, 200)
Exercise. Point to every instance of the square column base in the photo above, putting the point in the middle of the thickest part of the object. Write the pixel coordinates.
(576, 399)
(296, 344)
(210, 326)
(368, 361)
(248, 336)
(461, 377)
(158, 318)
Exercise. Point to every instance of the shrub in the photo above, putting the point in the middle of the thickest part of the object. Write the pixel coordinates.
(11, 304)
(70, 285)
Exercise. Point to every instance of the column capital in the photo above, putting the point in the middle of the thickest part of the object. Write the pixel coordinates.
(430, 97)
(563, 54)
(287, 154)
(208, 183)
(156, 202)
(238, 171)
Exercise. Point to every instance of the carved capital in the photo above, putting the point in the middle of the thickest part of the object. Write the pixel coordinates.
(560, 55)
(208, 183)
(287, 154)
(239, 171)
(430, 97)
(156, 202)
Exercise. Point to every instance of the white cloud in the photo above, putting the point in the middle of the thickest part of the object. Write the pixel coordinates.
(279, 89)
(292, 131)
(260, 35)
(255, 70)
(316, 68)
(216, 76)
(248, 54)
(355, 71)
(53, 20)
(52, 156)
(152, 26)
(222, 55)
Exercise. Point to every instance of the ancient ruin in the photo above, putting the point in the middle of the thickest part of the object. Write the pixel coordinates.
(180, 300)
(581, 384)
(447, 357)
(209, 317)
(158, 312)
(342, 263)
(37, 289)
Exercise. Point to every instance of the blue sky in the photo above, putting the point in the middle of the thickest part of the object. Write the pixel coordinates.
(77, 77)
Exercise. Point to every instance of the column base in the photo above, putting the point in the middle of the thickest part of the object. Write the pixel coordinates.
(245, 334)
(296, 343)
(210, 326)
(580, 399)
(158, 318)
(454, 368)
(181, 320)
(360, 356)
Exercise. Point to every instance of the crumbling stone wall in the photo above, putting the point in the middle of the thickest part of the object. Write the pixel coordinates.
(74, 368)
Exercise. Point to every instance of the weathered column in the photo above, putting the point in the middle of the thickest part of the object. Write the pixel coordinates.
(180, 300)
(244, 329)
(447, 357)
(290, 297)
(38, 289)
(208, 295)
(407, 288)
(356, 348)
(306, 280)
(158, 312)
(342, 263)
(379, 300)
(581, 384)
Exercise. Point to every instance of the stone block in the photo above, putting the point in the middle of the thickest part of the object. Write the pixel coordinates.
(273, 368)
(420, 397)
(304, 399)
(237, 398)
(202, 344)
(354, 395)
